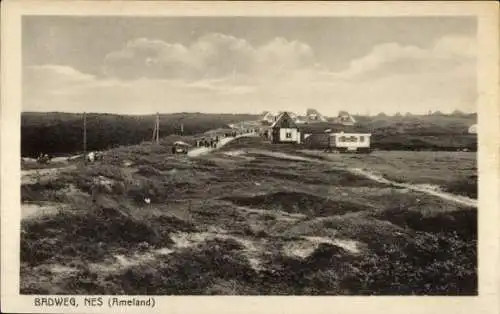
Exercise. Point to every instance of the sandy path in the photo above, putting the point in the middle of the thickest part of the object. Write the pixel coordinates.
(182, 240)
(427, 189)
(34, 175)
(423, 188)
(205, 150)
(38, 209)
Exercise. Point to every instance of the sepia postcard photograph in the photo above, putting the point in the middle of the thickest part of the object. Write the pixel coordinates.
(157, 156)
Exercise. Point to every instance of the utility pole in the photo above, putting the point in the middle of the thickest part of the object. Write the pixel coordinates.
(154, 134)
(85, 137)
(157, 128)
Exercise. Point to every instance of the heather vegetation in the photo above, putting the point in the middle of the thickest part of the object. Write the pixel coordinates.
(251, 219)
(61, 133)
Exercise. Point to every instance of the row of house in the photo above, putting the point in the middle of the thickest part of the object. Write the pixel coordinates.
(337, 136)
(312, 116)
(340, 134)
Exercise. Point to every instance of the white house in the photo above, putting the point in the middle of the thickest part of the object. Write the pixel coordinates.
(350, 141)
(340, 138)
(285, 130)
(345, 118)
(313, 115)
(270, 117)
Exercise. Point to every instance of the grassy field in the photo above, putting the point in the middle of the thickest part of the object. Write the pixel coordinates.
(251, 219)
(455, 172)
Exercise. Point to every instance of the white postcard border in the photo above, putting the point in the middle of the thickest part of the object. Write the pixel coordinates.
(488, 156)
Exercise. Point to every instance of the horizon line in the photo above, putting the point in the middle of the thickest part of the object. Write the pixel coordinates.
(247, 113)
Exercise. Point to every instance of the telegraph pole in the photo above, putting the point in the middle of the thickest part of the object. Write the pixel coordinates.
(85, 137)
(157, 128)
(154, 134)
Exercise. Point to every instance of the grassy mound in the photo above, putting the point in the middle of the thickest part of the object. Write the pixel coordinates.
(90, 235)
(297, 202)
(190, 272)
(42, 191)
(460, 222)
(466, 186)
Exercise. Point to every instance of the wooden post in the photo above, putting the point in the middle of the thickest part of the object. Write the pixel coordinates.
(157, 128)
(85, 137)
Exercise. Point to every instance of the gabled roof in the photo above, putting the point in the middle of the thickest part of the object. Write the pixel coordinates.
(345, 117)
(269, 116)
(284, 117)
(314, 115)
(292, 114)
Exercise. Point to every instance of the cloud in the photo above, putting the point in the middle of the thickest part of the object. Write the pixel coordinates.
(392, 58)
(218, 73)
(56, 75)
(211, 56)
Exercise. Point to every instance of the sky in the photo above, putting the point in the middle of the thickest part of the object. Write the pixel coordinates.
(143, 65)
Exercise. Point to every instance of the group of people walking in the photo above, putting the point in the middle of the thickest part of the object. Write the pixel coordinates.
(43, 158)
(209, 143)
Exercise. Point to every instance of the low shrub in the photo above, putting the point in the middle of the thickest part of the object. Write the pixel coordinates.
(467, 187)
(89, 235)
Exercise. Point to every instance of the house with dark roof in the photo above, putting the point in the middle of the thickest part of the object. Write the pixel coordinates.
(285, 130)
(313, 115)
(345, 118)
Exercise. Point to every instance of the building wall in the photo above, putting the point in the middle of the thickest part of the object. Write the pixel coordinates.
(293, 135)
(351, 140)
(316, 141)
(279, 135)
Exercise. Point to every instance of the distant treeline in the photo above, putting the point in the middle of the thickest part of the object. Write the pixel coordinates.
(58, 133)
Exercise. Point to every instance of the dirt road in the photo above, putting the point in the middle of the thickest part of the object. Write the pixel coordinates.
(427, 189)
(205, 150)
(34, 175)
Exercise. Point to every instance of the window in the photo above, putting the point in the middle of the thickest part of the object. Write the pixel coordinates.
(342, 139)
(288, 134)
(361, 138)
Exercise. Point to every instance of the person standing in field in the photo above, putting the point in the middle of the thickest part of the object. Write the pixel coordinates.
(91, 157)
(95, 190)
